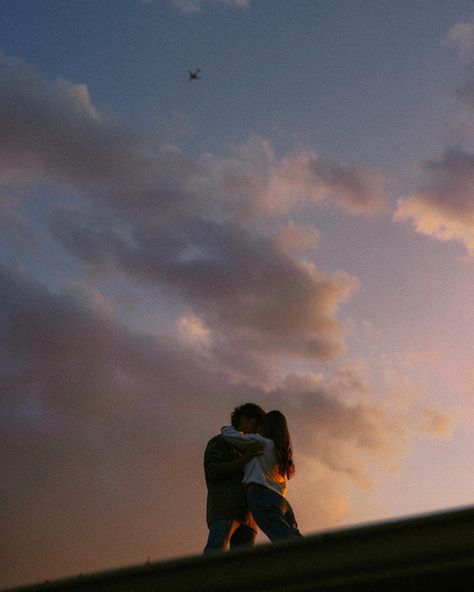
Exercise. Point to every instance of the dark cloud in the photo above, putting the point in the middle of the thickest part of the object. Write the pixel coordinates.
(103, 432)
(104, 427)
(155, 227)
(340, 426)
(354, 190)
(51, 133)
(241, 283)
(444, 206)
(102, 435)
(244, 288)
(461, 36)
(13, 222)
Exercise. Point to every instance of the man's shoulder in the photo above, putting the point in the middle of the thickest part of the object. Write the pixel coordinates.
(217, 440)
(219, 445)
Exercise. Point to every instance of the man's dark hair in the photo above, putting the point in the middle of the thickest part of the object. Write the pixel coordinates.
(250, 410)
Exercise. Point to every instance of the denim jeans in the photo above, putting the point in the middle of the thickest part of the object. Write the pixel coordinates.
(225, 531)
(272, 513)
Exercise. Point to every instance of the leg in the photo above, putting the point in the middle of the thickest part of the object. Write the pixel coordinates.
(243, 535)
(220, 532)
(272, 513)
(289, 516)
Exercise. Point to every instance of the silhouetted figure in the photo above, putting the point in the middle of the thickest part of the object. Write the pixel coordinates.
(227, 515)
(265, 476)
(194, 75)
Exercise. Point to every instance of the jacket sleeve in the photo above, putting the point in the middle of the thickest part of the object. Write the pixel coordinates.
(217, 466)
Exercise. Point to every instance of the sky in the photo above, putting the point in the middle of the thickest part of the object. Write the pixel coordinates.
(295, 229)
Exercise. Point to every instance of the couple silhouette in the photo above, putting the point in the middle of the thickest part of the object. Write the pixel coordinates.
(246, 468)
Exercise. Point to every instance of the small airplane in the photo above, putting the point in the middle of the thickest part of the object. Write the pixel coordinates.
(194, 75)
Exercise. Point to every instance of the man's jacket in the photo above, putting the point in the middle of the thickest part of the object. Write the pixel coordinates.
(225, 492)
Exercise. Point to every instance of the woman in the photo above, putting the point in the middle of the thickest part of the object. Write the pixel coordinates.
(265, 476)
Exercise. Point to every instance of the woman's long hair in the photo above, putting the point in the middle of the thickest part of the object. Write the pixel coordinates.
(276, 428)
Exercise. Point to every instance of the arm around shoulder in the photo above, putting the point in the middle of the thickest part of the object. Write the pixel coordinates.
(217, 465)
(240, 440)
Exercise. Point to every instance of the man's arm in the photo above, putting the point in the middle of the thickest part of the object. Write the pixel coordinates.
(217, 468)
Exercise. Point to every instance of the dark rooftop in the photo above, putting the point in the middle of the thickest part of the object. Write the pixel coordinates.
(426, 553)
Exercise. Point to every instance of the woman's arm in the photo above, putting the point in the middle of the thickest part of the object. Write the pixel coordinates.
(217, 465)
(240, 440)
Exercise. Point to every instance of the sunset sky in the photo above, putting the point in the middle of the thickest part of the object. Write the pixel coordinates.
(294, 229)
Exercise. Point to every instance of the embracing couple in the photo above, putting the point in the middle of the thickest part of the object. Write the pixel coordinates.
(246, 469)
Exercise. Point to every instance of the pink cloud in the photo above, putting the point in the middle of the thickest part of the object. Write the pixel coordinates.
(265, 184)
(52, 134)
(173, 223)
(102, 427)
(297, 238)
(250, 294)
(443, 207)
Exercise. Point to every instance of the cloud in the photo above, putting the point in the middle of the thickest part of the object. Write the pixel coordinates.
(355, 191)
(191, 229)
(13, 221)
(193, 329)
(52, 134)
(88, 406)
(246, 290)
(250, 293)
(99, 422)
(340, 426)
(461, 36)
(189, 7)
(443, 207)
(268, 185)
(297, 238)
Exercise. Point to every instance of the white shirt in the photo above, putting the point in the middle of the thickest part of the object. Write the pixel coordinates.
(259, 469)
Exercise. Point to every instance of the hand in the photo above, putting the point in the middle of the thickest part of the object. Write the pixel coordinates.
(253, 450)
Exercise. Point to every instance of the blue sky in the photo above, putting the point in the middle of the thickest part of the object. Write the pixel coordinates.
(294, 228)
(351, 78)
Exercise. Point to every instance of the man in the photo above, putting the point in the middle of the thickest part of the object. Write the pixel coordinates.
(227, 515)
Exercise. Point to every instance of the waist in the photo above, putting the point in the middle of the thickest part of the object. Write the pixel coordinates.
(252, 486)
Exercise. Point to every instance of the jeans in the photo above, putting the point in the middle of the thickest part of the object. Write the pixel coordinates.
(272, 513)
(225, 531)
